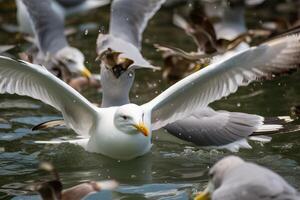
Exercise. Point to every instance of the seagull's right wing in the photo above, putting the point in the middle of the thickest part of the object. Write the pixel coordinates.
(48, 26)
(130, 17)
(35, 81)
(223, 78)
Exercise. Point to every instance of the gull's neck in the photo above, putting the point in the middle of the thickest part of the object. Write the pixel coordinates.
(109, 99)
(115, 92)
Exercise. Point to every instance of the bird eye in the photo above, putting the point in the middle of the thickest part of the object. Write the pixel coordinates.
(70, 60)
(124, 117)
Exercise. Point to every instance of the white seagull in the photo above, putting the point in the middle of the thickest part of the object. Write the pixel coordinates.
(119, 50)
(234, 179)
(54, 52)
(124, 132)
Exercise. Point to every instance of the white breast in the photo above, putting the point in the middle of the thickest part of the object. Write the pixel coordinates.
(109, 141)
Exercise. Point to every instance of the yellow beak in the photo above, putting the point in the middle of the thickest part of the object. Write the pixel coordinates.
(203, 195)
(86, 73)
(142, 128)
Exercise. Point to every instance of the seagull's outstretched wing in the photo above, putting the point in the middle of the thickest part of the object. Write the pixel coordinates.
(207, 127)
(35, 81)
(48, 26)
(223, 78)
(129, 18)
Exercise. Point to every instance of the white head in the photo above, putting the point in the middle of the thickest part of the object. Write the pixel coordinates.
(217, 174)
(130, 119)
(73, 60)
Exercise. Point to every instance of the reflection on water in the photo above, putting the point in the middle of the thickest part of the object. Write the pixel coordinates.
(173, 169)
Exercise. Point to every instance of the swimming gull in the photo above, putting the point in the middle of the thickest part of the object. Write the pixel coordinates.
(233, 179)
(124, 132)
(53, 189)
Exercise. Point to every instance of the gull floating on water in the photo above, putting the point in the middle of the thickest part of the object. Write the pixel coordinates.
(54, 52)
(124, 132)
(53, 189)
(234, 179)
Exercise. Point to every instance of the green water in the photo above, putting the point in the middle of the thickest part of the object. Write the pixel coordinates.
(173, 169)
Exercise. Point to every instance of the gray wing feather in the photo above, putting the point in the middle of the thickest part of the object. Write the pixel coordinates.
(250, 181)
(48, 26)
(207, 127)
(130, 17)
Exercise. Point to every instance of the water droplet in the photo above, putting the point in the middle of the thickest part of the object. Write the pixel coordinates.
(238, 104)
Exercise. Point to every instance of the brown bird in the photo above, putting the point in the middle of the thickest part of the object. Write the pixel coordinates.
(53, 189)
(178, 63)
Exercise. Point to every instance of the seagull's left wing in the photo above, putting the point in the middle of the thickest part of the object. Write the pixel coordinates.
(35, 81)
(130, 17)
(223, 78)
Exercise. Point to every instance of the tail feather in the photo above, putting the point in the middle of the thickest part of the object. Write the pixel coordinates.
(49, 124)
(276, 125)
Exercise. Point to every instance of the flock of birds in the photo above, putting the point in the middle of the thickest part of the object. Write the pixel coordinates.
(121, 130)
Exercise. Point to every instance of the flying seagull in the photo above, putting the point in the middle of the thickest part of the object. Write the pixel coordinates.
(119, 50)
(124, 132)
(54, 52)
(213, 40)
(234, 179)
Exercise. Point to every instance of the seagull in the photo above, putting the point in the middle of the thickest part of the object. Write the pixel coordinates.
(124, 132)
(232, 178)
(119, 50)
(53, 189)
(213, 40)
(61, 9)
(54, 52)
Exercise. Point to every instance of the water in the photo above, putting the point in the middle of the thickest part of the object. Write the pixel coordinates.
(173, 169)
